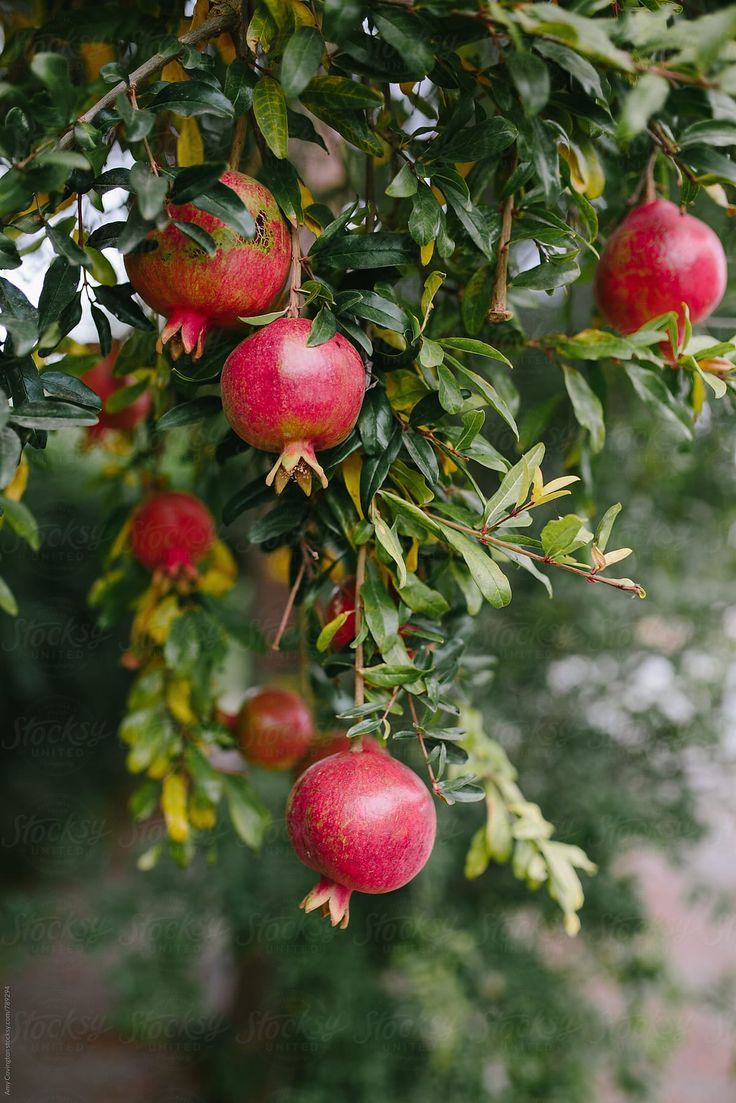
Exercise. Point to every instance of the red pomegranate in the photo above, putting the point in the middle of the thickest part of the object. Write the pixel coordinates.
(364, 822)
(332, 743)
(342, 600)
(656, 260)
(282, 396)
(102, 381)
(274, 728)
(196, 292)
(171, 531)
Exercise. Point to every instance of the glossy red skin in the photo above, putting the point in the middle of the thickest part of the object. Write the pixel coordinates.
(362, 820)
(274, 728)
(342, 601)
(654, 261)
(102, 381)
(171, 531)
(276, 390)
(242, 279)
(333, 743)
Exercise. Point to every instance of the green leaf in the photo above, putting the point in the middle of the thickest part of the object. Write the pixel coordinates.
(10, 452)
(301, 60)
(563, 536)
(389, 541)
(8, 253)
(351, 125)
(586, 405)
(379, 611)
(51, 414)
(605, 525)
(415, 520)
(421, 598)
(283, 180)
(340, 94)
(341, 18)
(328, 633)
(491, 395)
(477, 348)
(709, 132)
(192, 97)
(405, 32)
(150, 190)
(545, 277)
(570, 62)
(653, 391)
(61, 385)
(269, 108)
(424, 220)
(403, 184)
(125, 396)
(186, 413)
(250, 818)
(486, 139)
(21, 521)
(7, 602)
(531, 77)
(59, 288)
(193, 180)
(486, 573)
(476, 301)
(324, 327)
(646, 98)
(239, 82)
(514, 485)
(451, 398)
(199, 236)
(382, 249)
(119, 302)
(63, 246)
(225, 204)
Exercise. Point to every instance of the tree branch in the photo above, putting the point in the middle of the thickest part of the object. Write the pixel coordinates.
(224, 20)
(499, 311)
(359, 580)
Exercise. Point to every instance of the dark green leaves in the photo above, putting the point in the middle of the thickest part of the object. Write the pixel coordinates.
(301, 60)
(191, 97)
(531, 77)
(340, 94)
(486, 139)
(405, 32)
(269, 108)
(379, 250)
(224, 203)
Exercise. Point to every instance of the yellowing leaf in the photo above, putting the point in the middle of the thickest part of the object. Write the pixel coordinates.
(202, 813)
(201, 11)
(617, 556)
(189, 144)
(277, 565)
(173, 71)
(351, 469)
(412, 559)
(226, 48)
(178, 698)
(303, 14)
(427, 252)
(17, 485)
(162, 618)
(159, 767)
(174, 807)
(94, 55)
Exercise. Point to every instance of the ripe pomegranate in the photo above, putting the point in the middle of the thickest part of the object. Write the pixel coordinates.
(364, 822)
(282, 396)
(342, 600)
(102, 381)
(274, 728)
(656, 260)
(197, 292)
(332, 743)
(171, 531)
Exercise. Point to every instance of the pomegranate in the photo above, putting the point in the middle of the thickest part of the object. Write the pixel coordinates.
(171, 531)
(102, 381)
(342, 600)
(364, 822)
(274, 728)
(197, 292)
(656, 260)
(332, 743)
(282, 396)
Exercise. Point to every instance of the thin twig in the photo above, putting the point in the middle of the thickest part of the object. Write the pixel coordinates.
(288, 607)
(499, 311)
(212, 27)
(146, 144)
(587, 573)
(359, 581)
(423, 747)
(238, 143)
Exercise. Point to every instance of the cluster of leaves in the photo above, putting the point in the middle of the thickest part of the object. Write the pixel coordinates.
(478, 181)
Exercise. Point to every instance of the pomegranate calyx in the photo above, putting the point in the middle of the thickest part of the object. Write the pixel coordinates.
(333, 901)
(299, 462)
(186, 330)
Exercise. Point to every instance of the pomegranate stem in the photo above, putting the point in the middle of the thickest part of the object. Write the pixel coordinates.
(359, 580)
(295, 277)
(288, 607)
(499, 311)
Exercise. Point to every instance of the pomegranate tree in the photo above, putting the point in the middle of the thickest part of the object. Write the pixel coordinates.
(274, 728)
(364, 822)
(281, 395)
(656, 260)
(197, 292)
(171, 532)
(104, 383)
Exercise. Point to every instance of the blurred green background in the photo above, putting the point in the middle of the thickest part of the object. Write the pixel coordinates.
(210, 985)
